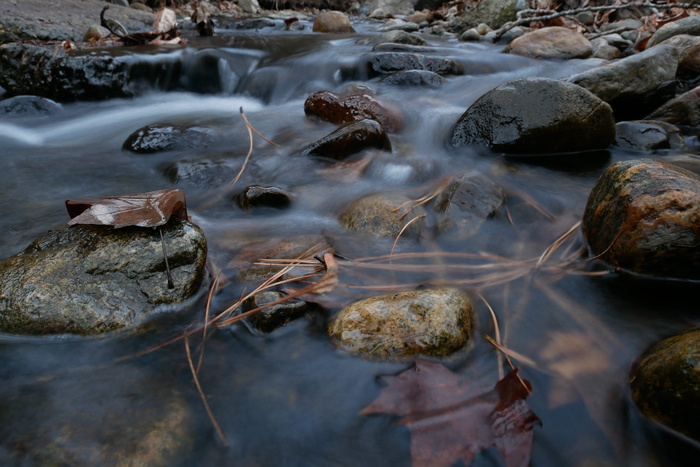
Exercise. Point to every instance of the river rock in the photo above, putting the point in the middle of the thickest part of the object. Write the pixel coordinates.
(349, 139)
(551, 43)
(689, 25)
(392, 7)
(429, 322)
(382, 214)
(665, 383)
(414, 78)
(395, 37)
(163, 137)
(603, 50)
(205, 173)
(274, 316)
(88, 279)
(48, 70)
(249, 7)
(642, 216)
(648, 135)
(28, 105)
(495, 13)
(255, 196)
(467, 200)
(96, 415)
(332, 21)
(391, 62)
(536, 115)
(345, 108)
(627, 82)
(682, 110)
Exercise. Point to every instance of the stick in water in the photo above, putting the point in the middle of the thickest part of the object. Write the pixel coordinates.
(165, 256)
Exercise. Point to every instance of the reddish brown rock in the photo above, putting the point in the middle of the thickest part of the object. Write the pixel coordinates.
(643, 216)
(332, 21)
(339, 109)
(551, 43)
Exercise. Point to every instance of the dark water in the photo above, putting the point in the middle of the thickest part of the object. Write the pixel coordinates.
(291, 398)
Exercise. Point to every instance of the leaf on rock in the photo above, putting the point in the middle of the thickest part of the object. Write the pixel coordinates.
(142, 210)
(450, 419)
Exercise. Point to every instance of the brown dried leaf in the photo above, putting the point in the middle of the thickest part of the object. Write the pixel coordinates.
(451, 420)
(142, 210)
(165, 21)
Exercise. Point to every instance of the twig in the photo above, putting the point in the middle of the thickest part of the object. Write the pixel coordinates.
(520, 21)
(218, 429)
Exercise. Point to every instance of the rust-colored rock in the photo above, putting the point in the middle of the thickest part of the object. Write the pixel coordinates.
(551, 43)
(643, 216)
(349, 139)
(332, 21)
(339, 109)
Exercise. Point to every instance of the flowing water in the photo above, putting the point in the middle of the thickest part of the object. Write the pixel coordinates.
(290, 397)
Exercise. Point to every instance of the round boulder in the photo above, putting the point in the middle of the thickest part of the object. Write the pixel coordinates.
(536, 116)
(430, 322)
(349, 139)
(642, 215)
(157, 138)
(382, 214)
(551, 43)
(332, 21)
(665, 383)
(345, 108)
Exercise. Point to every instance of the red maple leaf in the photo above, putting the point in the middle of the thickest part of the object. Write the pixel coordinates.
(451, 419)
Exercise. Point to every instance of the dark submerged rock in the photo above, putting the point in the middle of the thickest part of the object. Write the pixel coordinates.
(536, 115)
(390, 62)
(274, 316)
(468, 200)
(429, 322)
(648, 135)
(158, 138)
(642, 216)
(665, 383)
(345, 108)
(89, 279)
(414, 78)
(28, 105)
(263, 196)
(379, 214)
(682, 110)
(349, 139)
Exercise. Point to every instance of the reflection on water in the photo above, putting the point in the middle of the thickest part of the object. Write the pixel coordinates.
(290, 398)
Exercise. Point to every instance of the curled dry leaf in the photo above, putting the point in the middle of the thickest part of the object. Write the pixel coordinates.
(452, 420)
(165, 21)
(142, 210)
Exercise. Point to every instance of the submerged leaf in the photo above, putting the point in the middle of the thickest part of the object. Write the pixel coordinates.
(451, 419)
(142, 210)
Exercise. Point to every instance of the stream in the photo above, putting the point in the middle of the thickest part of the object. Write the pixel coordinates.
(290, 398)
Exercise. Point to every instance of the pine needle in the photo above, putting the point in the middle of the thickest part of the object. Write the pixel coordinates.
(403, 229)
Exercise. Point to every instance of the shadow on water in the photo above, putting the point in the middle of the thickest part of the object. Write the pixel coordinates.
(290, 397)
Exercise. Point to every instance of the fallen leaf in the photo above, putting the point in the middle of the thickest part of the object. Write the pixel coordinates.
(165, 20)
(143, 210)
(452, 420)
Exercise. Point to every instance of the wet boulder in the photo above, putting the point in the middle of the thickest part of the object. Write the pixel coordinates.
(28, 105)
(348, 107)
(96, 415)
(551, 43)
(648, 135)
(332, 21)
(382, 214)
(256, 196)
(665, 383)
(642, 216)
(349, 139)
(428, 322)
(383, 63)
(205, 173)
(689, 26)
(468, 199)
(633, 83)
(536, 116)
(158, 138)
(48, 70)
(397, 37)
(273, 316)
(89, 279)
(682, 110)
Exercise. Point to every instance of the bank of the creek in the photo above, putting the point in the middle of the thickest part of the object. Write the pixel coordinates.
(292, 395)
